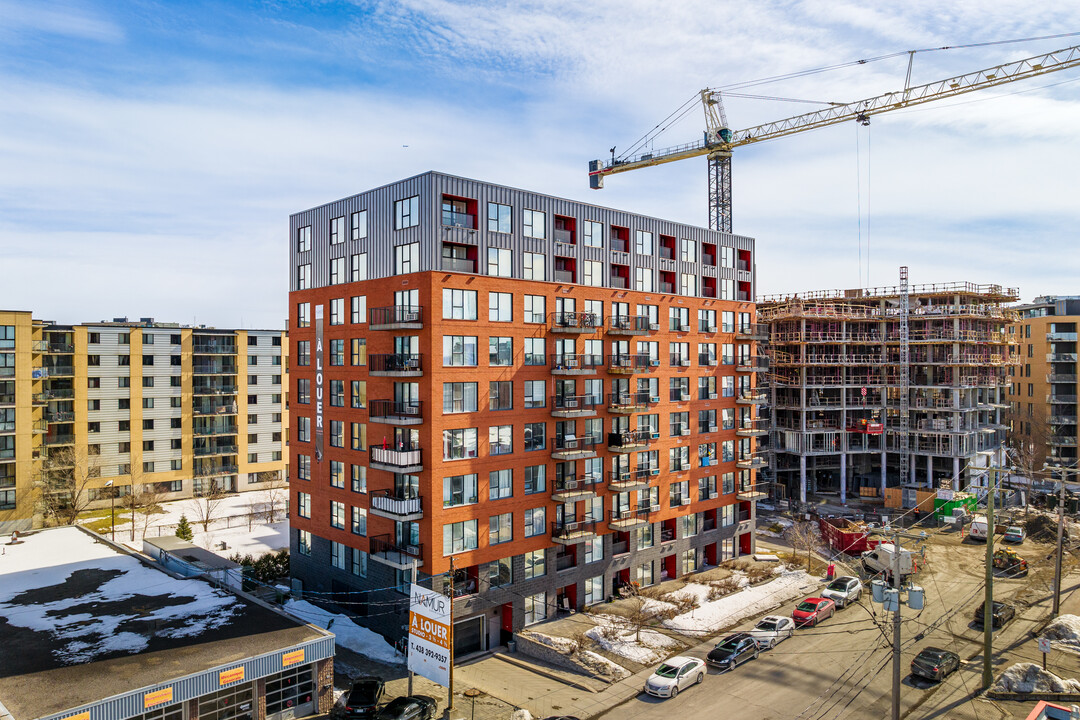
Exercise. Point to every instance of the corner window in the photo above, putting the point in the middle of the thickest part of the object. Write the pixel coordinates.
(303, 239)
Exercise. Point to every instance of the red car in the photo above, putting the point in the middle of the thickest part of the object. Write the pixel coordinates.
(813, 610)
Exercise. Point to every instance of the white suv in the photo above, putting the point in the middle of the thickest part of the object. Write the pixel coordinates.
(843, 590)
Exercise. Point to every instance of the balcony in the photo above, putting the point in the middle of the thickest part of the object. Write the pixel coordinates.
(626, 518)
(396, 317)
(8, 371)
(450, 218)
(630, 325)
(213, 368)
(617, 281)
(404, 459)
(385, 503)
(212, 408)
(395, 365)
(393, 412)
(625, 442)
(55, 371)
(1061, 440)
(58, 440)
(629, 364)
(571, 533)
(215, 429)
(1061, 337)
(571, 447)
(626, 403)
(751, 398)
(60, 416)
(59, 348)
(706, 360)
(625, 480)
(754, 331)
(751, 432)
(1062, 419)
(214, 469)
(755, 463)
(575, 322)
(576, 364)
(752, 364)
(574, 405)
(1061, 357)
(383, 549)
(564, 236)
(462, 265)
(205, 348)
(572, 489)
(216, 449)
(213, 389)
(1061, 399)
(42, 398)
(563, 276)
(1061, 377)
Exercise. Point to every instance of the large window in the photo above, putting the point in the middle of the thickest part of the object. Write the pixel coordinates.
(535, 309)
(643, 242)
(500, 351)
(303, 239)
(499, 218)
(406, 258)
(594, 273)
(689, 250)
(593, 233)
(458, 304)
(500, 307)
(337, 271)
(535, 608)
(535, 564)
(499, 262)
(459, 397)
(535, 479)
(337, 515)
(358, 224)
(337, 230)
(459, 537)
(500, 484)
(534, 223)
(459, 490)
(459, 351)
(535, 394)
(501, 528)
(501, 395)
(500, 440)
(535, 523)
(407, 212)
(534, 266)
(337, 311)
(303, 277)
(459, 444)
(359, 267)
(535, 351)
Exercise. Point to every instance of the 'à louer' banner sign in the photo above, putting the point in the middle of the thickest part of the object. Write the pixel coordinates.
(429, 635)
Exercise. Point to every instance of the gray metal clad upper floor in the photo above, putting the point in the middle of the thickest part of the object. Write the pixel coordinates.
(433, 228)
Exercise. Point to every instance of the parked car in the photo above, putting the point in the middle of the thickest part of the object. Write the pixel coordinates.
(813, 610)
(934, 663)
(772, 629)
(843, 590)
(364, 697)
(732, 650)
(1003, 613)
(1014, 534)
(677, 673)
(413, 707)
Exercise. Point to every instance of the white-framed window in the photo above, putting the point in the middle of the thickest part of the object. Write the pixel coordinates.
(337, 230)
(594, 549)
(407, 212)
(533, 223)
(338, 553)
(458, 304)
(535, 351)
(460, 490)
(727, 289)
(359, 267)
(690, 561)
(688, 285)
(303, 276)
(499, 262)
(500, 483)
(535, 309)
(535, 608)
(459, 444)
(535, 522)
(727, 257)
(644, 243)
(303, 239)
(688, 251)
(358, 225)
(500, 307)
(500, 528)
(593, 234)
(500, 218)
(594, 273)
(535, 266)
(535, 564)
(459, 351)
(646, 537)
(459, 537)
(643, 279)
(594, 590)
(500, 439)
(406, 258)
(459, 397)
(535, 394)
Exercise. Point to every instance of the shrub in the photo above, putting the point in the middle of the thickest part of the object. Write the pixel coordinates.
(183, 529)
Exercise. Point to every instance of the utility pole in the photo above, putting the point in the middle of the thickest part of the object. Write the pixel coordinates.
(896, 629)
(1060, 538)
(412, 581)
(988, 604)
(450, 690)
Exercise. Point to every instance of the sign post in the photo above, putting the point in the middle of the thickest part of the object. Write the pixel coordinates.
(1044, 647)
(429, 634)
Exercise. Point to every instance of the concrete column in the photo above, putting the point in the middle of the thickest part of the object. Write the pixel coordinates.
(884, 472)
(911, 468)
(843, 478)
(930, 471)
(802, 478)
(956, 473)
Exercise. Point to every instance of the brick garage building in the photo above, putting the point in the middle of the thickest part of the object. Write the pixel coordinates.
(555, 397)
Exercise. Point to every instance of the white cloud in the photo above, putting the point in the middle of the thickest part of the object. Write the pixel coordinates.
(67, 19)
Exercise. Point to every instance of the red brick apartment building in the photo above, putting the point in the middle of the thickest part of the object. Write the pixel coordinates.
(554, 397)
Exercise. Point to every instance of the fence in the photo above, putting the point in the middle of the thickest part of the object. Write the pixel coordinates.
(259, 517)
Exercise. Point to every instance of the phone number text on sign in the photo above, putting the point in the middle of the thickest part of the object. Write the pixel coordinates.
(428, 652)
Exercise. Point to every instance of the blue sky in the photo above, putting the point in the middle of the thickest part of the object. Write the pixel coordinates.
(151, 152)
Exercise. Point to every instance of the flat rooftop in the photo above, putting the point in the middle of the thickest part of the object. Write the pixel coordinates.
(81, 621)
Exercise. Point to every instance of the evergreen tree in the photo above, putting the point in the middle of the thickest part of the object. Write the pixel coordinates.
(183, 529)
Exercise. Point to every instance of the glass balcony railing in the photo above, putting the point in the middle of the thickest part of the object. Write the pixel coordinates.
(450, 218)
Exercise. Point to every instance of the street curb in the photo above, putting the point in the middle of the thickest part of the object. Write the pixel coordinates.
(543, 672)
(1027, 697)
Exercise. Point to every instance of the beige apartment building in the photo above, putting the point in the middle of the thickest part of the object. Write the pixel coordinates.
(134, 406)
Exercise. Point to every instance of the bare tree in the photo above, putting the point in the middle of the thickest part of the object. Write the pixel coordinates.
(64, 482)
(1028, 438)
(804, 535)
(206, 506)
(146, 500)
(638, 615)
(276, 494)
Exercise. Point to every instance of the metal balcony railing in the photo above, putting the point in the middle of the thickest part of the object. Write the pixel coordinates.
(569, 529)
(402, 456)
(629, 363)
(574, 402)
(631, 399)
(641, 513)
(576, 321)
(634, 438)
(384, 544)
(199, 348)
(395, 362)
(629, 324)
(570, 443)
(215, 450)
(576, 362)
(387, 501)
(383, 317)
(394, 408)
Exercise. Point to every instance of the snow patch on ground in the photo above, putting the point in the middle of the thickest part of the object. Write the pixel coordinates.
(615, 635)
(602, 666)
(566, 646)
(1064, 632)
(347, 633)
(713, 616)
(1030, 678)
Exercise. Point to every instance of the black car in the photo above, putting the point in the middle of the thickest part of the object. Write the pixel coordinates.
(1003, 613)
(732, 650)
(413, 707)
(364, 698)
(934, 663)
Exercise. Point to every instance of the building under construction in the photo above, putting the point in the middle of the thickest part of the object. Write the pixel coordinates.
(856, 379)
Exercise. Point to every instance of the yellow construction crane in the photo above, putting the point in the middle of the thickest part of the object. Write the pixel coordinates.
(719, 140)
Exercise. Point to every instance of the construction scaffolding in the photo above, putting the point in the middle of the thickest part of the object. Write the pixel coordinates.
(901, 386)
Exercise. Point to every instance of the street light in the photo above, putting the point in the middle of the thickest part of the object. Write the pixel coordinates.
(1061, 528)
(112, 508)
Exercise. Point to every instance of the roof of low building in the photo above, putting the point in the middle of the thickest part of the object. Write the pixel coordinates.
(90, 621)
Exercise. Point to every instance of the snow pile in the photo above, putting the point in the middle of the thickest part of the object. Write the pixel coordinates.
(618, 637)
(110, 605)
(566, 646)
(347, 633)
(715, 615)
(521, 714)
(1030, 678)
(602, 666)
(1064, 632)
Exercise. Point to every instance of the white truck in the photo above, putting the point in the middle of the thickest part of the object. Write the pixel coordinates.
(978, 529)
(882, 558)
